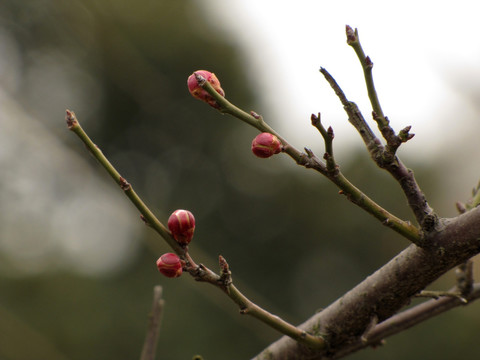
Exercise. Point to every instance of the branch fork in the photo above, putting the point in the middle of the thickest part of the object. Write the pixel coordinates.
(369, 312)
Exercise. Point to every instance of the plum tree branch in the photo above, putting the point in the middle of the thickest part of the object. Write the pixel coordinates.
(384, 157)
(199, 272)
(309, 160)
(384, 293)
(408, 318)
(154, 318)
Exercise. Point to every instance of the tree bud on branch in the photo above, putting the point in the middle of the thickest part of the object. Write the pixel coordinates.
(198, 92)
(182, 226)
(169, 264)
(266, 145)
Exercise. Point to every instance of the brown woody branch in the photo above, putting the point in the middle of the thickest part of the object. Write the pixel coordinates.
(386, 159)
(382, 294)
(154, 318)
(409, 318)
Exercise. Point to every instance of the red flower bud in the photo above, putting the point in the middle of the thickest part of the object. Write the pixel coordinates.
(169, 264)
(182, 225)
(266, 145)
(199, 93)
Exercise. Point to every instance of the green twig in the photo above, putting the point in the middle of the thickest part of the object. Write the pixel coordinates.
(439, 294)
(309, 160)
(148, 216)
(367, 65)
(385, 159)
(328, 136)
(475, 200)
(249, 308)
(199, 272)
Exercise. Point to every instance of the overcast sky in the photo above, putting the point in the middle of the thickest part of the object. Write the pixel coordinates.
(426, 59)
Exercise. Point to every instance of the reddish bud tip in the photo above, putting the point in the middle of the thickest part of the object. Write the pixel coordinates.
(198, 92)
(351, 34)
(266, 145)
(182, 226)
(169, 264)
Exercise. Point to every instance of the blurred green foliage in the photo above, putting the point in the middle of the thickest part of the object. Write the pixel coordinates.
(293, 244)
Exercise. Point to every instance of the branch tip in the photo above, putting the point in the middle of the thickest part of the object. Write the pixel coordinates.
(70, 119)
(351, 34)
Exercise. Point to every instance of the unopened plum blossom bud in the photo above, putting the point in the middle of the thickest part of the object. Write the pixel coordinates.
(266, 145)
(182, 226)
(170, 265)
(199, 93)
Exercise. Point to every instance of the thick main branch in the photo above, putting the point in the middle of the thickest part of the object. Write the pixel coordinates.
(384, 293)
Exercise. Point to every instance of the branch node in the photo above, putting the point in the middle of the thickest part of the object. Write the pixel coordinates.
(225, 273)
(124, 184)
(255, 115)
(243, 310)
(464, 275)
(368, 62)
(439, 294)
(144, 219)
(461, 208)
(368, 330)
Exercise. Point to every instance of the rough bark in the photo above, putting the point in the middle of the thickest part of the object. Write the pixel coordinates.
(386, 291)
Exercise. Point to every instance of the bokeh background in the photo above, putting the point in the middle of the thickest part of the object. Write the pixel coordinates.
(77, 266)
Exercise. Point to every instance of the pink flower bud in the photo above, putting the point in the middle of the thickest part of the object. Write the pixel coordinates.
(169, 264)
(199, 93)
(182, 226)
(266, 145)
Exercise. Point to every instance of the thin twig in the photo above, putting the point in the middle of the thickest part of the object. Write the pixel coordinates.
(153, 327)
(310, 161)
(199, 272)
(388, 161)
(409, 318)
(440, 294)
(151, 219)
(328, 136)
(367, 65)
